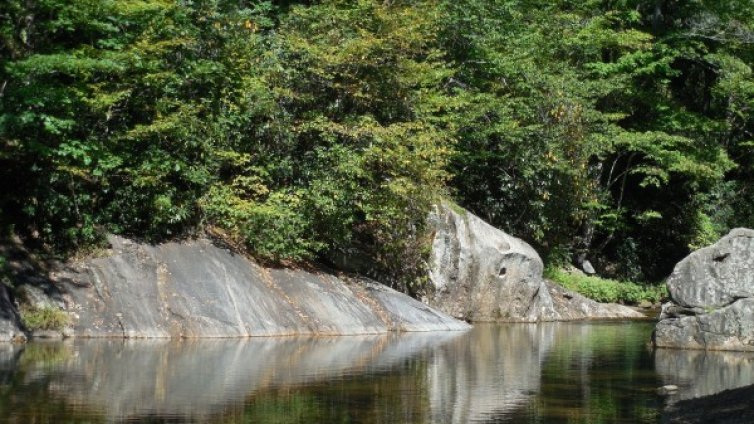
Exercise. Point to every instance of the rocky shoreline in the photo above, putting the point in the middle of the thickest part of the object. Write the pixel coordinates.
(198, 289)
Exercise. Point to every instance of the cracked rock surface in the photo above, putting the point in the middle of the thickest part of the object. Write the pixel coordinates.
(712, 298)
(195, 289)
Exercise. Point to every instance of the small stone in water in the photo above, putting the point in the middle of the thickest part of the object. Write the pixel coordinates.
(664, 390)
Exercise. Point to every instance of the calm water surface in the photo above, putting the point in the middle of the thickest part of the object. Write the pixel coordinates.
(546, 373)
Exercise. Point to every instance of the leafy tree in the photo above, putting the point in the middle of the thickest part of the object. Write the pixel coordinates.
(103, 117)
(583, 138)
(619, 131)
(342, 141)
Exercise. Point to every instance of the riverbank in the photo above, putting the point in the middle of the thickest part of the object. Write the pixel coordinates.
(734, 406)
(205, 288)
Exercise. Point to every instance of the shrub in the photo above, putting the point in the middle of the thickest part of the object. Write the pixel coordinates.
(45, 318)
(606, 290)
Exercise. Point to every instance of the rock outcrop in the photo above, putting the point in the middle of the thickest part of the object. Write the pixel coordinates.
(479, 273)
(712, 298)
(10, 326)
(195, 289)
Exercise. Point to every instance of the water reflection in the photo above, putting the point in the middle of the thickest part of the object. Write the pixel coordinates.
(492, 371)
(596, 373)
(199, 379)
(700, 373)
(524, 373)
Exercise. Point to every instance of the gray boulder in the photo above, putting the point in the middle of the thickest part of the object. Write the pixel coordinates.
(717, 275)
(712, 298)
(479, 273)
(587, 267)
(195, 289)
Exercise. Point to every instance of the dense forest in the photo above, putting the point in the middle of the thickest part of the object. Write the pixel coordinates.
(614, 130)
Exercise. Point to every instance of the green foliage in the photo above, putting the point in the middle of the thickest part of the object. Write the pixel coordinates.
(704, 232)
(341, 139)
(47, 318)
(274, 229)
(47, 355)
(618, 131)
(606, 290)
(101, 119)
(594, 122)
(153, 118)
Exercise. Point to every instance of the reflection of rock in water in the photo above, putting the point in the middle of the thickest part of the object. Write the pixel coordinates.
(703, 373)
(480, 376)
(495, 373)
(195, 379)
(8, 359)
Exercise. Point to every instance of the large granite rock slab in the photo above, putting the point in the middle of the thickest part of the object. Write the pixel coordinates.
(479, 273)
(195, 289)
(712, 298)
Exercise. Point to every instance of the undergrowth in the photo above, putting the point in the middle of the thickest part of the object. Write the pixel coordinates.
(606, 290)
(46, 318)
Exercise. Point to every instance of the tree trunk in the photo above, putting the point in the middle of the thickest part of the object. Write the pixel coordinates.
(657, 17)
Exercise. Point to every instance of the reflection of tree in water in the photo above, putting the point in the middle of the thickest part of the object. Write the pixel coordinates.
(26, 378)
(382, 397)
(596, 373)
(281, 407)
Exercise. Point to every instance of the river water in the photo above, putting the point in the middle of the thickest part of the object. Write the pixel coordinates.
(545, 373)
